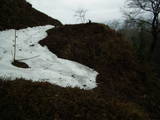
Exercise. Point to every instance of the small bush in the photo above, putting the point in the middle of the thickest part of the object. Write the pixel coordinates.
(20, 64)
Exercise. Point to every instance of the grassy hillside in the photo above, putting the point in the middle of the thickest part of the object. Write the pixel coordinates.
(20, 14)
(124, 91)
(103, 49)
(27, 100)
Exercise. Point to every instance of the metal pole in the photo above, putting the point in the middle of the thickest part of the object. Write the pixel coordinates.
(15, 47)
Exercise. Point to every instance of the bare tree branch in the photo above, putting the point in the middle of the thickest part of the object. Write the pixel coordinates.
(80, 14)
(148, 6)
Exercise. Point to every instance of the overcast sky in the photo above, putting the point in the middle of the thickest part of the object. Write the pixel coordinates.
(64, 10)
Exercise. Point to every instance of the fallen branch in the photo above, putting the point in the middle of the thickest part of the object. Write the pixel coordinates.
(28, 58)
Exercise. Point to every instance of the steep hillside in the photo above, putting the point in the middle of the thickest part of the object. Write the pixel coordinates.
(103, 49)
(20, 14)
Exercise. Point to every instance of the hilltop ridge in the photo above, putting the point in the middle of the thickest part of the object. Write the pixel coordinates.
(17, 14)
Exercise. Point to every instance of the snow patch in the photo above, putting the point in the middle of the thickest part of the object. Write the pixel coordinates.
(44, 65)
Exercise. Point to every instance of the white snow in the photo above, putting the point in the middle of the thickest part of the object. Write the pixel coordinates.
(44, 65)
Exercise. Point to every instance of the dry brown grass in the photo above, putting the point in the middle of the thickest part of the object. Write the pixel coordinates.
(105, 50)
(27, 100)
(19, 14)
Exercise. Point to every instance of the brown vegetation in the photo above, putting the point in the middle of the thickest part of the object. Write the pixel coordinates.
(27, 100)
(19, 14)
(103, 49)
(20, 64)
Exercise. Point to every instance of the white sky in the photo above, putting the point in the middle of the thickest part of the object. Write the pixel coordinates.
(64, 10)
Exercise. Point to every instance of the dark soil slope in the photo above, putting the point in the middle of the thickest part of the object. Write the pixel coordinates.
(20, 14)
(103, 49)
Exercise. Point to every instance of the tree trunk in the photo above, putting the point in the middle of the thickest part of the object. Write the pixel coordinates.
(154, 42)
(155, 26)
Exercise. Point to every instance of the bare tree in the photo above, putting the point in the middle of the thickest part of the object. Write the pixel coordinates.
(80, 15)
(150, 8)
